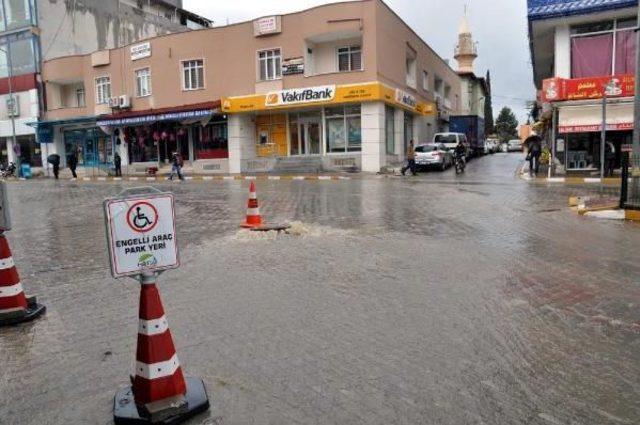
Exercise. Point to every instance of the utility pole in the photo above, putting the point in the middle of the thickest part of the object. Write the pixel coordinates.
(603, 132)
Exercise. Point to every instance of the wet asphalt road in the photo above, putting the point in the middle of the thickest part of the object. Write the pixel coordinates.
(437, 299)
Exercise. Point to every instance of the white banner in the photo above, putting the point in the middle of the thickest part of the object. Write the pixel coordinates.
(298, 96)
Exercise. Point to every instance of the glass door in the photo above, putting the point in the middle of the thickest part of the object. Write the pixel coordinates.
(305, 133)
(312, 130)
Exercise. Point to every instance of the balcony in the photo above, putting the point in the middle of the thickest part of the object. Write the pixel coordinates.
(333, 52)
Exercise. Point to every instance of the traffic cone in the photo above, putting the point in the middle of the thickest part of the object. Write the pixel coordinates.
(15, 306)
(160, 393)
(158, 373)
(254, 219)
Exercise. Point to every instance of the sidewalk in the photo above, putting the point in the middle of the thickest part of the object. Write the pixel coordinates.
(200, 178)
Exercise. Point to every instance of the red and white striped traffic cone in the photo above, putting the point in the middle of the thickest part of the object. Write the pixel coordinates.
(15, 306)
(254, 219)
(158, 373)
(160, 393)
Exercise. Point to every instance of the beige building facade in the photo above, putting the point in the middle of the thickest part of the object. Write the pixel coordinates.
(338, 86)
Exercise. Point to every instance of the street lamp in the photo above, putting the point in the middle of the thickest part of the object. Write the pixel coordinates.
(12, 102)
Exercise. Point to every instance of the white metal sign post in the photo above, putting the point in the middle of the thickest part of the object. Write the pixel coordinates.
(141, 232)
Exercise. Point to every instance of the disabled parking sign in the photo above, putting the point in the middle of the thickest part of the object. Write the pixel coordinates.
(141, 232)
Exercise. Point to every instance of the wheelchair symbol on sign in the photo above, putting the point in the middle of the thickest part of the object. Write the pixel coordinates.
(142, 217)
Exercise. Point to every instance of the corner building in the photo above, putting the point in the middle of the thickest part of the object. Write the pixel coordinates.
(339, 86)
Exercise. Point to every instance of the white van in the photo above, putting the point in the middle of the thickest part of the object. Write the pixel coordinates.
(451, 140)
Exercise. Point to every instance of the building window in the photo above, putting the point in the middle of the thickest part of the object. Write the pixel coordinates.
(270, 64)
(349, 58)
(344, 130)
(193, 74)
(411, 69)
(390, 129)
(17, 14)
(143, 82)
(80, 101)
(425, 81)
(603, 48)
(23, 52)
(103, 90)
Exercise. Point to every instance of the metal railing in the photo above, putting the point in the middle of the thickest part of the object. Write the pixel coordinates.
(630, 188)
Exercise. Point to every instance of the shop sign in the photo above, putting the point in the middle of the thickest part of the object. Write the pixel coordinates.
(266, 25)
(406, 99)
(141, 233)
(352, 93)
(626, 148)
(304, 95)
(293, 66)
(140, 51)
(44, 133)
(170, 116)
(594, 128)
(556, 89)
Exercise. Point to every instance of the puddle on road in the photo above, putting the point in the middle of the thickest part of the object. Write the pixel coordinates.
(297, 229)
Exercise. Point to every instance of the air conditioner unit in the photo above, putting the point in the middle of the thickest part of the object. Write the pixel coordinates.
(125, 102)
(13, 106)
(114, 102)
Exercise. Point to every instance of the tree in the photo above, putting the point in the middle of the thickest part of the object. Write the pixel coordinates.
(489, 127)
(507, 125)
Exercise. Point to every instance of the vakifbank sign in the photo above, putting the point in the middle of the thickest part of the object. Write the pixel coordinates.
(298, 96)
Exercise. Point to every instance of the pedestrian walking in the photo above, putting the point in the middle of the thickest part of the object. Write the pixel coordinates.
(609, 158)
(117, 163)
(176, 167)
(72, 163)
(54, 160)
(411, 160)
(534, 150)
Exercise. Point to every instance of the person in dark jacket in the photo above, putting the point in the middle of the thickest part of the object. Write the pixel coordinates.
(54, 160)
(609, 158)
(534, 147)
(117, 163)
(72, 163)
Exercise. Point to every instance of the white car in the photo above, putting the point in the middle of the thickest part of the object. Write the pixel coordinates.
(514, 145)
(433, 155)
(492, 146)
(451, 140)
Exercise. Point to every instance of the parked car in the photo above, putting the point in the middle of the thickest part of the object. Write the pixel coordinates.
(514, 145)
(433, 155)
(492, 146)
(451, 141)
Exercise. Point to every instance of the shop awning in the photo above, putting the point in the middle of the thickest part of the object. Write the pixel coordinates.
(588, 118)
(193, 112)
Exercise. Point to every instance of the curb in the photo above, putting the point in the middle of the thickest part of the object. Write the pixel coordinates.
(614, 214)
(205, 178)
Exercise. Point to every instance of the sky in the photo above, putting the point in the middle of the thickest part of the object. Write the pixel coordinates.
(499, 27)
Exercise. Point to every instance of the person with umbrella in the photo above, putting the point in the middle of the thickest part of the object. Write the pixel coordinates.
(54, 160)
(534, 150)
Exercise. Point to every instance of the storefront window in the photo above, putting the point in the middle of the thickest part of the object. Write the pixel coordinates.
(143, 143)
(390, 129)
(92, 146)
(210, 142)
(344, 129)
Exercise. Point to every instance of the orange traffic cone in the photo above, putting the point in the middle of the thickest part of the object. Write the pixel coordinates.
(254, 219)
(160, 393)
(15, 306)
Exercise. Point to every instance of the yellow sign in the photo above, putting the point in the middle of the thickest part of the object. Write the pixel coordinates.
(356, 93)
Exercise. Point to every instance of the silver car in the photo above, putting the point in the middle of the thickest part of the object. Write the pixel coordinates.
(433, 155)
(514, 145)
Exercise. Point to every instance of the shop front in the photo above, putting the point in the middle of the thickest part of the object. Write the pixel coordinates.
(336, 127)
(578, 104)
(148, 139)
